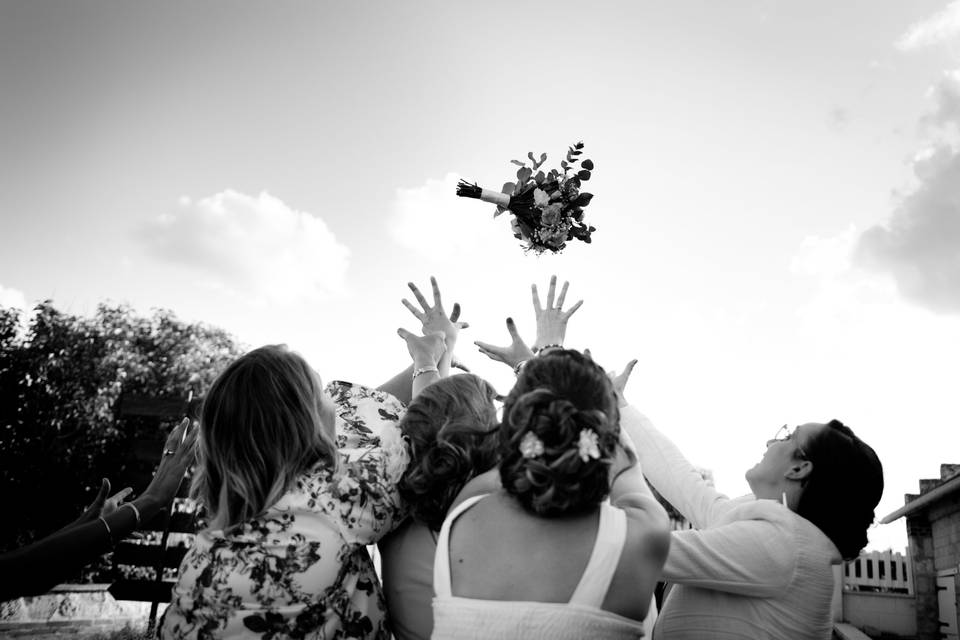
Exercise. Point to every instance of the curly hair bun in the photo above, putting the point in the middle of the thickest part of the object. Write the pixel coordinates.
(447, 426)
(565, 478)
(433, 482)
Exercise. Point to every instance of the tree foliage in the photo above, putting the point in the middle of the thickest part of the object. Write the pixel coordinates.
(61, 379)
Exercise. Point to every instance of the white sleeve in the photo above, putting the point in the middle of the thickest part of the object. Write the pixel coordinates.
(670, 473)
(753, 557)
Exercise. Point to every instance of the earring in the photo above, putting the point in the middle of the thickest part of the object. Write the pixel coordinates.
(783, 499)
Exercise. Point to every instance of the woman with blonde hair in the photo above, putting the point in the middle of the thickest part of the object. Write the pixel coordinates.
(289, 516)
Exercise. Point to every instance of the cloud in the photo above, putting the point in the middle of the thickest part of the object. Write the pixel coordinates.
(946, 98)
(838, 118)
(255, 247)
(825, 257)
(920, 244)
(940, 28)
(431, 220)
(14, 298)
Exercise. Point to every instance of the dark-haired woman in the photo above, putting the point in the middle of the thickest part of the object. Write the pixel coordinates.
(546, 556)
(450, 428)
(761, 567)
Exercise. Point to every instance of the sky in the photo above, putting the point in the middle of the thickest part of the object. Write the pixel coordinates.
(776, 193)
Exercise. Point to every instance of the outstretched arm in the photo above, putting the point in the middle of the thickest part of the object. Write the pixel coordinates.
(43, 564)
(433, 319)
(426, 353)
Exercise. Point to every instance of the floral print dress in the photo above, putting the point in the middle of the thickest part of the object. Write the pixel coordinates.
(301, 570)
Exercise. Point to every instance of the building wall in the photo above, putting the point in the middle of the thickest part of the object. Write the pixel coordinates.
(885, 612)
(944, 519)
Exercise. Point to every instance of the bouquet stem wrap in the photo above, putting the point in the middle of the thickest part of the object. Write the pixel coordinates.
(467, 190)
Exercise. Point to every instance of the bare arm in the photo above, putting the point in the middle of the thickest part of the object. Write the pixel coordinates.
(399, 386)
(43, 564)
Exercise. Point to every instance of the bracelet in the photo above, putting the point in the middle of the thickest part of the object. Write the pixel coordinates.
(516, 369)
(431, 368)
(547, 346)
(136, 512)
(109, 532)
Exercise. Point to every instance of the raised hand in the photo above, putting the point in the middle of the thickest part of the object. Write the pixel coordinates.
(434, 319)
(178, 454)
(620, 381)
(511, 355)
(425, 351)
(102, 505)
(551, 319)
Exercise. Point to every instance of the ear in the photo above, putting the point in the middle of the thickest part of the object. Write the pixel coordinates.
(799, 471)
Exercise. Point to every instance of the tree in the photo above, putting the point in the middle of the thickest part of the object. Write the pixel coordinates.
(61, 379)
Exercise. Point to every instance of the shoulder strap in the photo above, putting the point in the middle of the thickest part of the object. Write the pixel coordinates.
(611, 536)
(441, 560)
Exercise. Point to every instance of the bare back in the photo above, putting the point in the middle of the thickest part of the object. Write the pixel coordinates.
(498, 551)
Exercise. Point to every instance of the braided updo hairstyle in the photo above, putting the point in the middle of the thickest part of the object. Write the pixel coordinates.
(450, 427)
(556, 397)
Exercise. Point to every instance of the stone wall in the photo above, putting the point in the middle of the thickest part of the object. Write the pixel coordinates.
(945, 527)
(70, 610)
(877, 613)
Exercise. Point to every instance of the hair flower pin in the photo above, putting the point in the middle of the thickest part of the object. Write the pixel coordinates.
(531, 446)
(588, 446)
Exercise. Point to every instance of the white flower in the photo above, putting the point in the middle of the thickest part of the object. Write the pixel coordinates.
(396, 453)
(540, 198)
(531, 446)
(588, 445)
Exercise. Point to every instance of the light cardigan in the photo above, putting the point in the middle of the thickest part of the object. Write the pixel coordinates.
(749, 569)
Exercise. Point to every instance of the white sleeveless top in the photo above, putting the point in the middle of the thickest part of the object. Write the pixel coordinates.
(456, 618)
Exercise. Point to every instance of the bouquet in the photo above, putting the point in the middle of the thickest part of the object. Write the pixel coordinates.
(547, 207)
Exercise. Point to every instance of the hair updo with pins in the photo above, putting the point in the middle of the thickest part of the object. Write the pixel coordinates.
(558, 396)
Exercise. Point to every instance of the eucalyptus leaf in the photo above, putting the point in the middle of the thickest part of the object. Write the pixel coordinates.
(587, 164)
(518, 163)
(579, 145)
(583, 175)
(584, 199)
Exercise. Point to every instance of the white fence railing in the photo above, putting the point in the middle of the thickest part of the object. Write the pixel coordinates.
(879, 571)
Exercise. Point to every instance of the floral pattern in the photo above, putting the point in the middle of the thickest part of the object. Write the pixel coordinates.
(301, 570)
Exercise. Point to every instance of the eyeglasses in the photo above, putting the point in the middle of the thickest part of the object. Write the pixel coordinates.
(784, 434)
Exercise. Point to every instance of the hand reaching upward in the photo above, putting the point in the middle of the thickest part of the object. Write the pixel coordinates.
(551, 319)
(434, 320)
(511, 355)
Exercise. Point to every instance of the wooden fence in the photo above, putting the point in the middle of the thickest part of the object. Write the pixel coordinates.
(879, 571)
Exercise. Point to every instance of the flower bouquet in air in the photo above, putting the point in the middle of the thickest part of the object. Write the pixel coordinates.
(547, 207)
